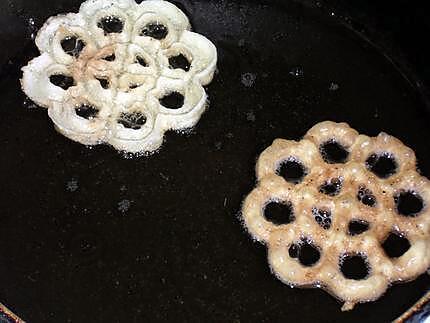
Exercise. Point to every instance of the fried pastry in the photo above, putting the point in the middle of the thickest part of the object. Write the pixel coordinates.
(329, 206)
(121, 73)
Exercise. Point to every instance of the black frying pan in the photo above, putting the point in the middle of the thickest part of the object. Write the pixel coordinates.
(88, 235)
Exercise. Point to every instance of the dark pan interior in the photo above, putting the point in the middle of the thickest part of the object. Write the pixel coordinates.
(88, 235)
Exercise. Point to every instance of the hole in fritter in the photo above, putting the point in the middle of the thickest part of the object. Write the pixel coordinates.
(333, 152)
(62, 81)
(173, 100)
(366, 196)
(140, 60)
(396, 245)
(291, 170)
(309, 254)
(87, 111)
(111, 25)
(72, 46)
(179, 62)
(409, 203)
(110, 58)
(293, 251)
(279, 212)
(103, 82)
(331, 187)
(322, 217)
(356, 227)
(133, 120)
(382, 165)
(354, 267)
(155, 30)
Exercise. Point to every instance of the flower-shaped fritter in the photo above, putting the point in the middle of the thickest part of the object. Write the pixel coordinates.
(121, 73)
(341, 211)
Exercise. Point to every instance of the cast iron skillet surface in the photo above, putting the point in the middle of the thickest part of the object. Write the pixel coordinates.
(88, 235)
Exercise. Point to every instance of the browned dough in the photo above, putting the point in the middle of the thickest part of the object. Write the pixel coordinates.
(335, 242)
